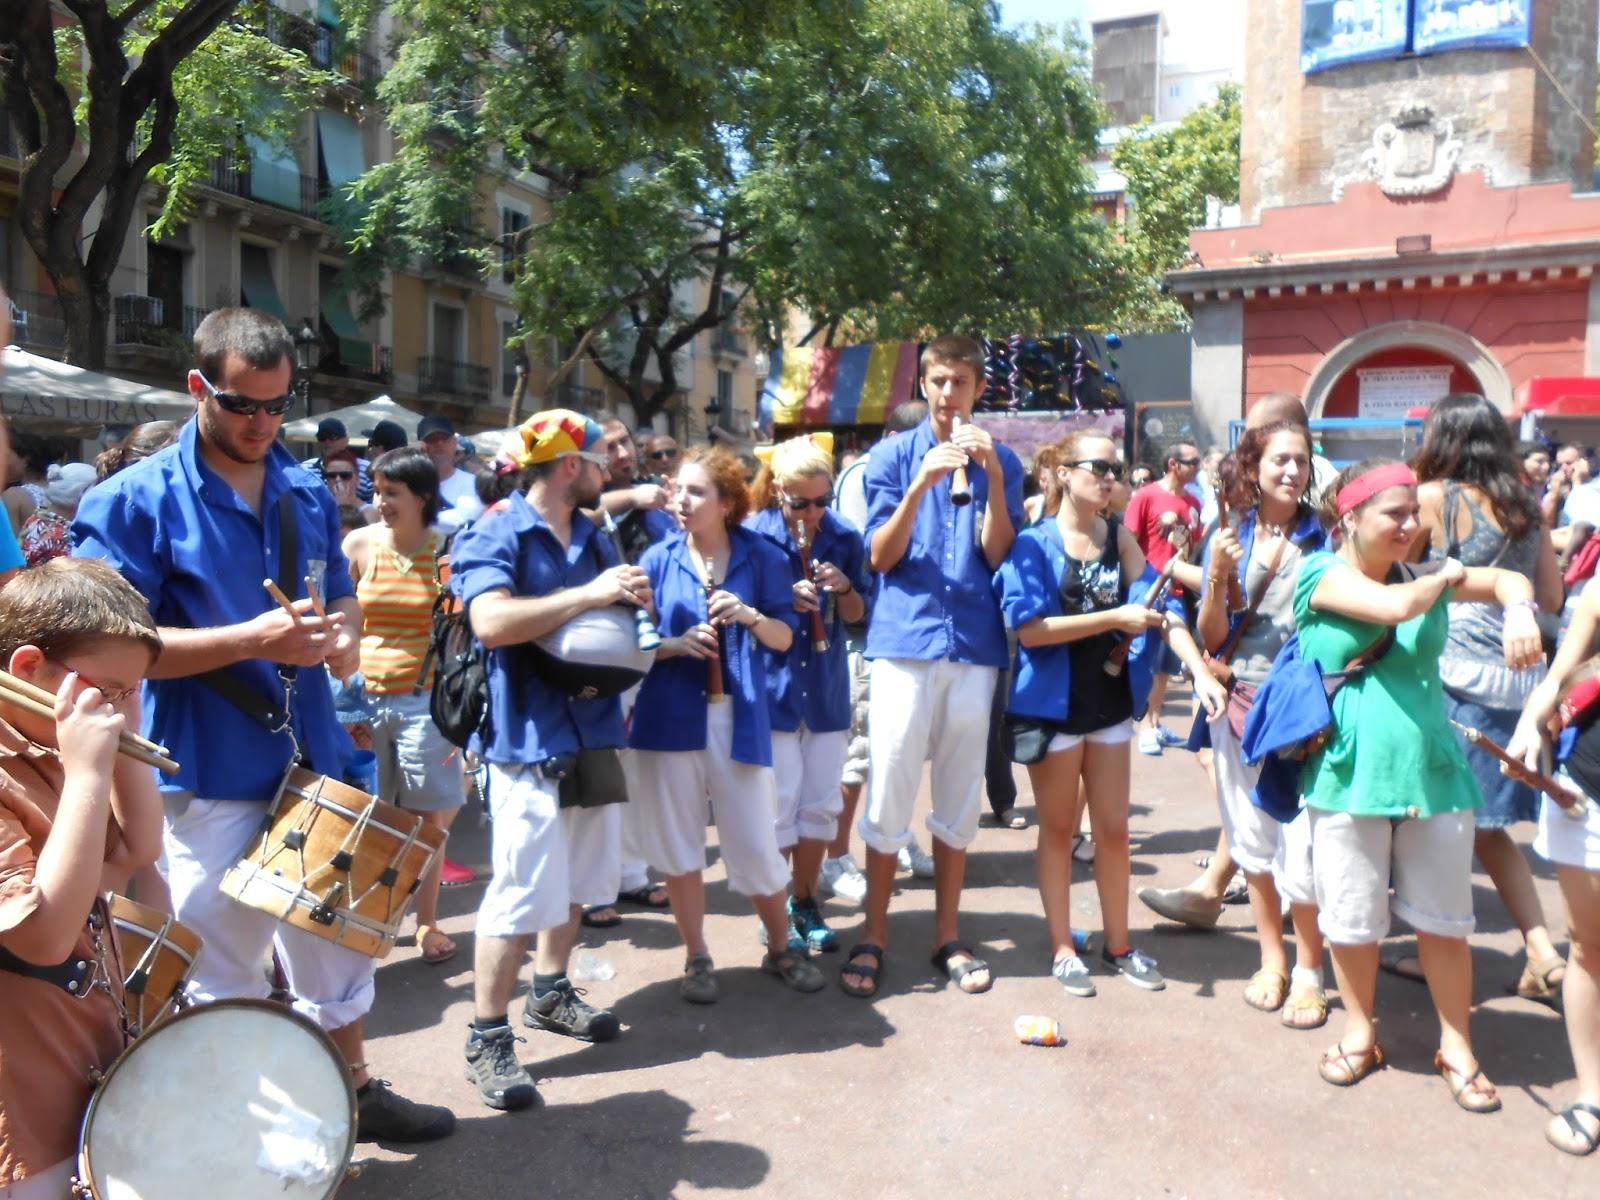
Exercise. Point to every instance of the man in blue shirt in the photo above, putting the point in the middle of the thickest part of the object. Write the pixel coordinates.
(196, 527)
(937, 645)
(637, 509)
(554, 779)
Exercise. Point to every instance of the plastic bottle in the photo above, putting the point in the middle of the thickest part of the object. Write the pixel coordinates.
(1038, 1031)
(590, 967)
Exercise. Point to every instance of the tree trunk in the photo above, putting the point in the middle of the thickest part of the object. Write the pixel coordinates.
(87, 311)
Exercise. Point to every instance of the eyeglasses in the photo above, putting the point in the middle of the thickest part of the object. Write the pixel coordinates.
(1187, 462)
(801, 505)
(663, 455)
(338, 474)
(1100, 468)
(245, 406)
(112, 695)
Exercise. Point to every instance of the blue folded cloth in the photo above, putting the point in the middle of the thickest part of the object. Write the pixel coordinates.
(351, 705)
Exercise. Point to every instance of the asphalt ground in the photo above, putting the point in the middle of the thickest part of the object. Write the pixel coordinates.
(925, 1092)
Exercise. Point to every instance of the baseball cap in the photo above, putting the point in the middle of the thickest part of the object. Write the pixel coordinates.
(559, 431)
(435, 425)
(329, 428)
(387, 434)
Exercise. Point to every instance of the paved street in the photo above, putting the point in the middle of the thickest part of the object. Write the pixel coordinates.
(925, 1093)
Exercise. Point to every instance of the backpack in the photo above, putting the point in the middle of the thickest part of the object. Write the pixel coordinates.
(459, 703)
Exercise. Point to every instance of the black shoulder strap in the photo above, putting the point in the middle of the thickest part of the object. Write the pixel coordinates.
(268, 712)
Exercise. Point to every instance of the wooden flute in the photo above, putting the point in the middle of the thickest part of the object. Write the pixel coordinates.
(1118, 657)
(819, 630)
(1570, 803)
(715, 691)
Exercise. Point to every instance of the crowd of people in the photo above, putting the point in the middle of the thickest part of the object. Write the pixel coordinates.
(817, 638)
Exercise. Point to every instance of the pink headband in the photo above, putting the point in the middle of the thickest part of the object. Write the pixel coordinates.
(1368, 484)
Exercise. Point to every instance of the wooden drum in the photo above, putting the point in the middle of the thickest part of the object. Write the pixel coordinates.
(158, 955)
(335, 862)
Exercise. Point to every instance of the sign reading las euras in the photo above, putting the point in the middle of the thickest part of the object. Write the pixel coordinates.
(82, 410)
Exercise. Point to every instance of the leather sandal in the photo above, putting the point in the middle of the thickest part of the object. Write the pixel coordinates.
(957, 973)
(1346, 1068)
(1270, 986)
(869, 973)
(1534, 983)
(1587, 1142)
(1472, 1092)
(1306, 1008)
(437, 953)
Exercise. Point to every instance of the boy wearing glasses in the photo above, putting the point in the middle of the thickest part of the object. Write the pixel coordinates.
(1144, 518)
(937, 645)
(75, 820)
(196, 528)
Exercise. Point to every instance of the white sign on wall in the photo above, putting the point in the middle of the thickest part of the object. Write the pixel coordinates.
(1394, 391)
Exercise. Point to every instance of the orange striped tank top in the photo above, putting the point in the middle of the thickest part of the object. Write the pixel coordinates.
(396, 593)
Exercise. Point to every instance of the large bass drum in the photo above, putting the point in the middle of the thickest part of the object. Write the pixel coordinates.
(233, 1100)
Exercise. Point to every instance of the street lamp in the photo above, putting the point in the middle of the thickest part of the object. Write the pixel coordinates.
(305, 340)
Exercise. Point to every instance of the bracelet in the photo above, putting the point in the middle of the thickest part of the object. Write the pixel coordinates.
(1531, 605)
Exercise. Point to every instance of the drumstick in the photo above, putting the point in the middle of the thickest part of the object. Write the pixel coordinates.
(276, 593)
(316, 600)
(1522, 772)
(27, 697)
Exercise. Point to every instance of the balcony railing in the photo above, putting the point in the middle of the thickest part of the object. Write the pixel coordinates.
(577, 397)
(335, 51)
(453, 378)
(728, 341)
(148, 321)
(285, 28)
(232, 174)
(379, 368)
(38, 321)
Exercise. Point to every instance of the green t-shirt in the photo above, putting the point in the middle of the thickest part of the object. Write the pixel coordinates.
(1392, 752)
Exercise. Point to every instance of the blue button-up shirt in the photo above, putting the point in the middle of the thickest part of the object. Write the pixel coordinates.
(937, 602)
(670, 713)
(807, 685)
(1028, 585)
(181, 535)
(514, 549)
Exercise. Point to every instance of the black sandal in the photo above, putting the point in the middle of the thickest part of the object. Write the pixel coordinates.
(641, 896)
(869, 974)
(593, 919)
(1589, 1140)
(955, 974)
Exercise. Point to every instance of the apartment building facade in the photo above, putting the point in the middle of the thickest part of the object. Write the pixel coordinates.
(258, 236)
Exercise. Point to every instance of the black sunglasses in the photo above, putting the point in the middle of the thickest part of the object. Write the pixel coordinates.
(664, 454)
(245, 406)
(802, 505)
(1100, 468)
(338, 474)
(1187, 462)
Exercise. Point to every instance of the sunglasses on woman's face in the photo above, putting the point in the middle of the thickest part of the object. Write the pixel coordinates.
(341, 475)
(797, 505)
(246, 406)
(1100, 468)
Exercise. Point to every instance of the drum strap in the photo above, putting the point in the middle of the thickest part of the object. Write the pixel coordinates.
(267, 711)
(70, 976)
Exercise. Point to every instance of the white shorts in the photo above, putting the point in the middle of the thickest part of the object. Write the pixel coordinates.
(635, 866)
(1261, 844)
(1119, 734)
(52, 1183)
(678, 788)
(417, 768)
(922, 710)
(545, 858)
(1429, 860)
(332, 986)
(1569, 841)
(806, 767)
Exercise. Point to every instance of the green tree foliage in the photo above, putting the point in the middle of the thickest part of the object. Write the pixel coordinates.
(103, 102)
(888, 167)
(1172, 172)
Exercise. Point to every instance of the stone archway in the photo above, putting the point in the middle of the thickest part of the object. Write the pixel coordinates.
(1442, 339)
